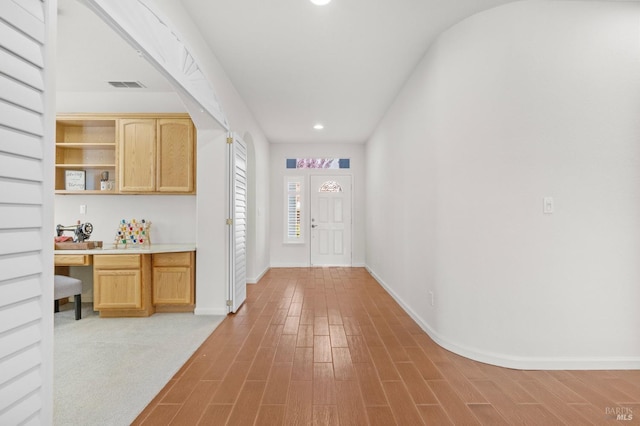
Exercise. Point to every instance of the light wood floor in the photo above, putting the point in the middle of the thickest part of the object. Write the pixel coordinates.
(330, 346)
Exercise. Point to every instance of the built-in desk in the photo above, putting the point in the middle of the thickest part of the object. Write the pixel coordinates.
(136, 282)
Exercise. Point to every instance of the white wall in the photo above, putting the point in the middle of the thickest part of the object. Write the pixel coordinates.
(525, 101)
(298, 255)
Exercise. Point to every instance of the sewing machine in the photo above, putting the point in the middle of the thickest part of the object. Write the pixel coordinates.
(81, 231)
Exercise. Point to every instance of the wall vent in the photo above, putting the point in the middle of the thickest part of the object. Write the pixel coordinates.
(127, 84)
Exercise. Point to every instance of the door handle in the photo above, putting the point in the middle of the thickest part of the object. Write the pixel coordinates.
(313, 226)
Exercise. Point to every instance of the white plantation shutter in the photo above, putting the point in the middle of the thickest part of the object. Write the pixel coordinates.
(293, 199)
(26, 200)
(238, 228)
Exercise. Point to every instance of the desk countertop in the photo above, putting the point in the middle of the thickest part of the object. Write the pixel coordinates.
(154, 248)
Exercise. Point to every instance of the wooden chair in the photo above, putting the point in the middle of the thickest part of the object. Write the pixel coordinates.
(64, 286)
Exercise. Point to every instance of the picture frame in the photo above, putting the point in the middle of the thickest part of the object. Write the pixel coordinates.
(74, 180)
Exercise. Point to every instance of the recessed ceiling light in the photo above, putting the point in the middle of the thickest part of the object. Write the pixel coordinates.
(318, 126)
(320, 2)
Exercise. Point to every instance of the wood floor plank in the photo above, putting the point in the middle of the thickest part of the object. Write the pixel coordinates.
(230, 387)
(305, 336)
(370, 385)
(451, 402)
(463, 387)
(325, 415)
(358, 349)
(381, 416)
(215, 414)
(262, 364)
(385, 367)
(191, 411)
(324, 388)
(334, 316)
(321, 326)
(272, 335)
(291, 325)
(338, 336)
(299, 409)
(350, 406)
(404, 411)
(427, 369)
(302, 364)
(286, 348)
(512, 412)
(435, 415)
(220, 366)
(278, 384)
(417, 387)
(487, 414)
(351, 326)
(560, 409)
(558, 388)
(161, 414)
(342, 365)
(246, 408)
(322, 349)
(271, 415)
(306, 317)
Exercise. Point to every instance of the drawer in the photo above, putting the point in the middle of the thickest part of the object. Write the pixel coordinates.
(172, 259)
(72, 260)
(116, 261)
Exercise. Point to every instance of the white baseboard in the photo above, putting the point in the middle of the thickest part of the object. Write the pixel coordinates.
(210, 311)
(290, 265)
(259, 277)
(511, 361)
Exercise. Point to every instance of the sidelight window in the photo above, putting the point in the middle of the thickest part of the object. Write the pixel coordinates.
(293, 208)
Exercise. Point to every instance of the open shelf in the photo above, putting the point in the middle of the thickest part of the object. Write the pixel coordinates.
(86, 143)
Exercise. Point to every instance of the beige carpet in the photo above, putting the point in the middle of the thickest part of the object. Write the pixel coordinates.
(106, 370)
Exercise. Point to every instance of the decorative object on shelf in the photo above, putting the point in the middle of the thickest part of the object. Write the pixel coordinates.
(81, 231)
(74, 180)
(105, 183)
(132, 233)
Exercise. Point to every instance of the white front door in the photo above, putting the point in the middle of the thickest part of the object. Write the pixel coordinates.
(330, 220)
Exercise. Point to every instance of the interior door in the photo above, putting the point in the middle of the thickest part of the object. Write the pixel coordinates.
(330, 220)
(237, 224)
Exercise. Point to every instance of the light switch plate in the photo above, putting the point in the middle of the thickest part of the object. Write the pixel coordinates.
(547, 205)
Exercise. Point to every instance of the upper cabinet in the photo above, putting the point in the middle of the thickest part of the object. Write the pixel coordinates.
(140, 154)
(137, 155)
(175, 152)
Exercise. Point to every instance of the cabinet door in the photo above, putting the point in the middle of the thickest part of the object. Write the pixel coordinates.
(172, 285)
(117, 289)
(175, 155)
(137, 155)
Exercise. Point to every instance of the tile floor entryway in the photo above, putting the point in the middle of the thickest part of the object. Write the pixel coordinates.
(329, 346)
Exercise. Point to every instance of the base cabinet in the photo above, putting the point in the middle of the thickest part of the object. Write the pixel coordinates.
(118, 289)
(122, 285)
(173, 282)
(137, 285)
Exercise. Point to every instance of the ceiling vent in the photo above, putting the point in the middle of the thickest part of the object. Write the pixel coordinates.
(127, 84)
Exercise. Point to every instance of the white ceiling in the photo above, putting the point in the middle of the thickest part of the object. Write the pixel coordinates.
(293, 63)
